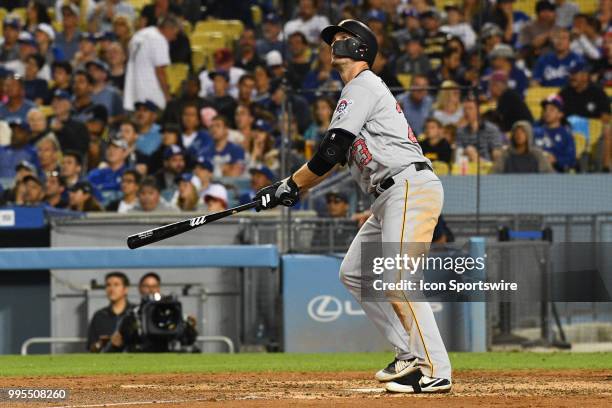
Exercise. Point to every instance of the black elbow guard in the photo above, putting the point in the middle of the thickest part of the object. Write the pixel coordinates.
(332, 150)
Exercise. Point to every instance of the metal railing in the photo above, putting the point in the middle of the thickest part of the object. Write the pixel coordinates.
(231, 349)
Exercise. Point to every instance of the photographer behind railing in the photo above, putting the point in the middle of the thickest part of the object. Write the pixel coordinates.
(157, 325)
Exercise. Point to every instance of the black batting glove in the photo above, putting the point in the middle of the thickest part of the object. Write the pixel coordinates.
(284, 193)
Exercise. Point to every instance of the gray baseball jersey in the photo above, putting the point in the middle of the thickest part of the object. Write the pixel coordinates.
(385, 144)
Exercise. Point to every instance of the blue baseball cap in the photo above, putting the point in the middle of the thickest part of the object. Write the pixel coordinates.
(262, 125)
(15, 121)
(204, 163)
(554, 100)
(376, 15)
(263, 170)
(579, 66)
(60, 93)
(148, 104)
(26, 38)
(106, 36)
(173, 151)
(183, 177)
(24, 164)
(12, 21)
(219, 72)
(88, 37)
(271, 18)
(97, 63)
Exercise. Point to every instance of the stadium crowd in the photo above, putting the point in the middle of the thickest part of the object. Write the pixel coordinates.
(89, 120)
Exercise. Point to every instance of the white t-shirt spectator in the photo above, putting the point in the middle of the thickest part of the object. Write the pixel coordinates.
(462, 30)
(311, 28)
(148, 49)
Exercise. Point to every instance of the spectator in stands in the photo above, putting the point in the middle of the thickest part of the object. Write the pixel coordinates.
(262, 81)
(19, 149)
(272, 35)
(45, 36)
(383, 67)
(247, 54)
(105, 11)
(9, 49)
(72, 167)
(417, 103)
(55, 190)
(413, 61)
(220, 100)
(449, 70)
(491, 35)
(174, 165)
(194, 138)
(457, 27)
(586, 37)
(584, 98)
(130, 180)
(106, 178)
(322, 79)
(48, 150)
(71, 134)
(27, 47)
(128, 132)
(448, 109)
(552, 69)
(478, 137)
(261, 176)
(411, 27)
(16, 106)
(215, 198)
(300, 58)
(308, 22)
(22, 169)
(149, 138)
(203, 175)
(565, 11)
(246, 89)
(36, 89)
(502, 59)
(434, 39)
(83, 105)
(227, 157)
(150, 199)
(188, 95)
(434, 145)
(69, 38)
(158, 9)
(103, 93)
(81, 198)
(149, 284)
(171, 135)
(38, 125)
(186, 198)
(521, 155)
(34, 192)
(62, 77)
(36, 13)
(510, 106)
(323, 111)
(96, 121)
(510, 21)
(123, 30)
(106, 320)
(554, 137)
(331, 235)
(273, 104)
(145, 77)
(224, 61)
(87, 51)
(535, 37)
(116, 58)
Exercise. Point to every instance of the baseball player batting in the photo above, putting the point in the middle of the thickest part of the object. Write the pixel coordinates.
(369, 132)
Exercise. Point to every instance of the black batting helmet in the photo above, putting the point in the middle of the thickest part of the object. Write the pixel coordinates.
(367, 45)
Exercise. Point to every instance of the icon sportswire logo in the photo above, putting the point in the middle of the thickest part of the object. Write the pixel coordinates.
(194, 222)
(325, 308)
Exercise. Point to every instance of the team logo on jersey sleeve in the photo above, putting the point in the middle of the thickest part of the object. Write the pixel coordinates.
(343, 106)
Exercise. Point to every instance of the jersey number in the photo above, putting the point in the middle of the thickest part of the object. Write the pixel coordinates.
(360, 153)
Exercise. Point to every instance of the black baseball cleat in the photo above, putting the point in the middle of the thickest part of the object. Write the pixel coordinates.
(416, 383)
(396, 369)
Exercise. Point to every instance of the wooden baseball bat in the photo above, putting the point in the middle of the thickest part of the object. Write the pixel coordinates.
(166, 231)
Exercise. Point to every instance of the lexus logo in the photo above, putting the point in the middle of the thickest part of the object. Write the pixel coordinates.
(325, 308)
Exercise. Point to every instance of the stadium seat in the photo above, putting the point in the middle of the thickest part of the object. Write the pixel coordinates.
(595, 131)
(609, 90)
(198, 58)
(440, 168)
(57, 26)
(580, 142)
(588, 6)
(46, 110)
(526, 6)
(487, 106)
(256, 14)
(472, 169)
(2, 15)
(405, 80)
(177, 73)
(534, 97)
(230, 28)
(21, 12)
(212, 39)
(139, 4)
